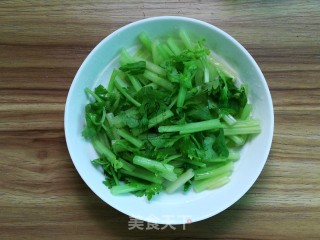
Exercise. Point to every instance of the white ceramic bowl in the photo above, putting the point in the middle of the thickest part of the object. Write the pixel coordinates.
(177, 208)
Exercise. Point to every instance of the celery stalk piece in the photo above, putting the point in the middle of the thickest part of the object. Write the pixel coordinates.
(173, 157)
(152, 67)
(119, 145)
(192, 127)
(125, 57)
(116, 104)
(135, 141)
(210, 183)
(243, 127)
(106, 127)
(238, 140)
(95, 96)
(182, 179)
(229, 119)
(242, 131)
(119, 81)
(213, 172)
(160, 118)
(126, 188)
(127, 166)
(196, 163)
(104, 139)
(186, 39)
(135, 82)
(153, 165)
(173, 102)
(156, 53)
(246, 111)
(165, 51)
(124, 92)
(142, 53)
(245, 123)
(221, 65)
(246, 88)
(169, 176)
(153, 85)
(156, 58)
(143, 174)
(178, 171)
(110, 156)
(181, 96)
(206, 75)
(158, 80)
(223, 181)
(213, 74)
(146, 41)
(112, 79)
(233, 156)
(173, 46)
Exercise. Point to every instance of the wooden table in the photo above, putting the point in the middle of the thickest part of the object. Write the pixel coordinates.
(43, 43)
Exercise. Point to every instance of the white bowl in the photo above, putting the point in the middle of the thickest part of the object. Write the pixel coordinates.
(177, 208)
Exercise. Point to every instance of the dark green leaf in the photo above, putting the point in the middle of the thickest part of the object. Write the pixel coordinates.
(152, 190)
(220, 145)
(187, 186)
(109, 182)
(100, 90)
(134, 68)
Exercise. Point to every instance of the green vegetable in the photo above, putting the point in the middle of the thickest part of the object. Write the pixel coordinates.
(134, 68)
(173, 122)
(183, 178)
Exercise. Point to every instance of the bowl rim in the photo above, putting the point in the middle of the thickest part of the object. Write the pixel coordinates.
(188, 19)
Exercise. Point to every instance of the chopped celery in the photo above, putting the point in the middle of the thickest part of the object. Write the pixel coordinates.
(173, 46)
(146, 41)
(213, 172)
(186, 39)
(157, 57)
(160, 118)
(172, 115)
(246, 111)
(153, 165)
(153, 77)
(126, 188)
(136, 142)
(192, 127)
(182, 179)
(135, 82)
(122, 89)
(211, 183)
(142, 174)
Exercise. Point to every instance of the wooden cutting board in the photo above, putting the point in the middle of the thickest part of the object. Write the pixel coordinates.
(43, 43)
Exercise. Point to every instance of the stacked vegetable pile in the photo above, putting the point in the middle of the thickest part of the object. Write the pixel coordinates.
(172, 115)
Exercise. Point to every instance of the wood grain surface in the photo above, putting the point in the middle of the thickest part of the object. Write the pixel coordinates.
(43, 43)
